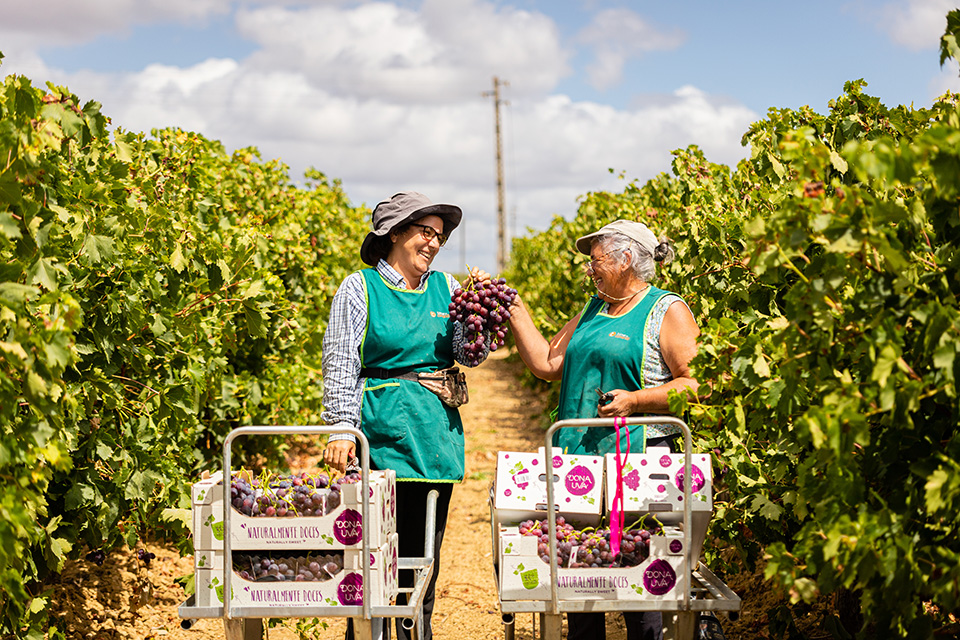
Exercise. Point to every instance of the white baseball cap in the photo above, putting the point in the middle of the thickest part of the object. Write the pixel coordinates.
(630, 228)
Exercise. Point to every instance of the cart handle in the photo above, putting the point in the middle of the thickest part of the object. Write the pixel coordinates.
(609, 422)
(295, 430)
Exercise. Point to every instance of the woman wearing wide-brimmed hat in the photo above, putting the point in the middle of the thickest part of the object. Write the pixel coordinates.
(387, 324)
(622, 355)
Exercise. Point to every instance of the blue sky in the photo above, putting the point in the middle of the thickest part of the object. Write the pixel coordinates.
(387, 96)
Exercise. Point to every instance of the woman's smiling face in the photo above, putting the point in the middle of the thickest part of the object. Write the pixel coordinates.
(603, 266)
(413, 250)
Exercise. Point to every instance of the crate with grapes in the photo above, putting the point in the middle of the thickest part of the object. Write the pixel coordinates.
(645, 563)
(302, 511)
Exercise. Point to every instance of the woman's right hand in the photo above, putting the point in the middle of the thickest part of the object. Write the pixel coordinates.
(338, 453)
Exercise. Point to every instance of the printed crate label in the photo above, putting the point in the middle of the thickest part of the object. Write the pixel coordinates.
(521, 484)
(653, 481)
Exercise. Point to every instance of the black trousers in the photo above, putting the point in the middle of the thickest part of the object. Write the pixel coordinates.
(641, 625)
(411, 527)
(411, 531)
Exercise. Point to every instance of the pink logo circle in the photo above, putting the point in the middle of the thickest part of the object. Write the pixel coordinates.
(350, 590)
(664, 461)
(676, 546)
(698, 479)
(557, 462)
(579, 480)
(348, 527)
(659, 577)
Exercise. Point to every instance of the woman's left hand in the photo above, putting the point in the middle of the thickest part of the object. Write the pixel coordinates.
(477, 275)
(621, 406)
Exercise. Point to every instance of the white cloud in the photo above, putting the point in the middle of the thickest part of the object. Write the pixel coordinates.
(947, 80)
(447, 51)
(65, 22)
(916, 24)
(617, 35)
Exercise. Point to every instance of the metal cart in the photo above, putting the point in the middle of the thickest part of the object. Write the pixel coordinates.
(246, 622)
(707, 592)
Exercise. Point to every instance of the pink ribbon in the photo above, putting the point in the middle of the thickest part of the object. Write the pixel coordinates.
(616, 511)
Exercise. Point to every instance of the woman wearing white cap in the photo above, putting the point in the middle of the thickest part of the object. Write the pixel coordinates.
(633, 343)
(388, 324)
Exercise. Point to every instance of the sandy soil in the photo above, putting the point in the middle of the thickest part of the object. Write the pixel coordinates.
(125, 599)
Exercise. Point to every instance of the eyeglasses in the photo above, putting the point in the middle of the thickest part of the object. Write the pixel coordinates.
(429, 233)
(592, 265)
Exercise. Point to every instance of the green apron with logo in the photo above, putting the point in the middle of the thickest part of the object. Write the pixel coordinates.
(409, 429)
(605, 352)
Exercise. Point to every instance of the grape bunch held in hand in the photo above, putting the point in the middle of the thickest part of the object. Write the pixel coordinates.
(482, 309)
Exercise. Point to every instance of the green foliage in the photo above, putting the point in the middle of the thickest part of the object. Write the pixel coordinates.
(824, 274)
(155, 293)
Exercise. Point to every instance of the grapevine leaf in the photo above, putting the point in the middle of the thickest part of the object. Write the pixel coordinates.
(838, 162)
(78, 495)
(9, 225)
(765, 508)
(182, 516)
(177, 261)
(43, 272)
(934, 490)
(9, 188)
(760, 366)
(949, 47)
(98, 248)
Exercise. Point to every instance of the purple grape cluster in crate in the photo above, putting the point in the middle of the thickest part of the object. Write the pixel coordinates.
(274, 568)
(482, 309)
(591, 546)
(287, 495)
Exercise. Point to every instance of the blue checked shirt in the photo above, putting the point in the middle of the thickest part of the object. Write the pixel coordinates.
(342, 384)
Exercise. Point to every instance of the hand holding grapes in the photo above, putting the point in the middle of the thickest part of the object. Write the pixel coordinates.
(338, 453)
(475, 274)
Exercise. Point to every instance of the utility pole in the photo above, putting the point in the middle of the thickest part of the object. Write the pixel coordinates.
(501, 221)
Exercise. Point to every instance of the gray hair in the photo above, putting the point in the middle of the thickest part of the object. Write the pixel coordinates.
(642, 263)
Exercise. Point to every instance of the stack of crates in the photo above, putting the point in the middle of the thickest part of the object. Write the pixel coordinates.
(337, 533)
(580, 482)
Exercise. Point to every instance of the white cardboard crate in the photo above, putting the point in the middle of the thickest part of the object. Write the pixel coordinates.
(213, 558)
(340, 529)
(524, 576)
(520, 491)
(653, 482)
(344, 589)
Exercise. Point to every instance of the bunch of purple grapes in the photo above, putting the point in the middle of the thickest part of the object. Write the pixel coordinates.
(590, 546)
(482, 308)
(145, 556)
(287, 496)
(310, 568)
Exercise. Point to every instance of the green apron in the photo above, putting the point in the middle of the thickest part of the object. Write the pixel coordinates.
(605, 352)
(409, 429)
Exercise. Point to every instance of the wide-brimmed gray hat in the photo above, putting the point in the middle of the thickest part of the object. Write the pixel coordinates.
(403, 207)
(630, 228)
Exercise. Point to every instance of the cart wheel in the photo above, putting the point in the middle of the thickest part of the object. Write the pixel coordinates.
(243, 628)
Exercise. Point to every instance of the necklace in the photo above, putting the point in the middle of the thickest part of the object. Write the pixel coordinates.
(621, 301)
(629, 297)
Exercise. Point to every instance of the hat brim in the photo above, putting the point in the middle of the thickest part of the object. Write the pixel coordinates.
(585, 243)
(449, 213)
